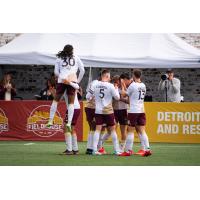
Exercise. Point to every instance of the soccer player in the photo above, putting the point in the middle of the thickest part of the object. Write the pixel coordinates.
(71, 137)
(136, 116)
(66, 67)
(90, 116)
(103, 92)
(120, 111)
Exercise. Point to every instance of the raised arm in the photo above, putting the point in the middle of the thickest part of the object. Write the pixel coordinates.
(81, 70)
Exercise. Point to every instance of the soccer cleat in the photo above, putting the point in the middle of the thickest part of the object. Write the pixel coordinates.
(140, 152)
(147, 153)
(69, 128)
(67, 152)
(96, 153)
(102, 151)
(126, 153)
(89, 151)
(75, 152)
(49, 124)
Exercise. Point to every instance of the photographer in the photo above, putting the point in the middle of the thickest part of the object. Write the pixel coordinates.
(170, 87)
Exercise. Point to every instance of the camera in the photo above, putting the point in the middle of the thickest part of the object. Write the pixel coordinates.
(164, 77)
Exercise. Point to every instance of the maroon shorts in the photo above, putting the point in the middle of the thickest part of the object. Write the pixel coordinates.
(108, 119)
(61, 87)
(75, 116)
(90, 115)
(121, 116)
(137, 119)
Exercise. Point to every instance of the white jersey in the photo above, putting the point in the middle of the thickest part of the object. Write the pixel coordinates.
(119, 105)
(90, 103)
(63, 70)
(136, 93)
(104, 92)
(76, 102)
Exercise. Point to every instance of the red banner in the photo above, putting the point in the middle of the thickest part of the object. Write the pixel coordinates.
(25, 120)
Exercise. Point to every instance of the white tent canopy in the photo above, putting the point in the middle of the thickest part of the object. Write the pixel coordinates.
(103, 50)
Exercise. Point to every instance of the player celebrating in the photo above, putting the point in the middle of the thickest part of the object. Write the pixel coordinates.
(136, 116)
(71, 137)
(90, 116)
(120, 111)
(103, 92)
(66, 67)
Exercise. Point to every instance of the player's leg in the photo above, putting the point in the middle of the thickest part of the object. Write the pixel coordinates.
(123, 130)
(99, 124)
(71, 97)
(130, 135)
(110, 121)
(90, 116)
(142, 146)
(74, 135)
(74, 141)
(60, 89)
(123, 121)
(103, 137)
(145, 139)
(68, 141)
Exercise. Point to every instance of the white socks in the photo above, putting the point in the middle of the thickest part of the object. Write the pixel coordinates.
(68, 141)
(53, 110)
(141, 141)
(71, 142)
(70, 113)
(105, 137)
(115, 141)
(129, 141)
(95, 140)
(145, 140)
(90, 140)
(74, 142)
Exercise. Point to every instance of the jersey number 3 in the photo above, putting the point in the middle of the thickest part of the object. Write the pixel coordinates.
(101, 91)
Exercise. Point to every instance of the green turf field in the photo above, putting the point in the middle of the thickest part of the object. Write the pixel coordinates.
(46, 153)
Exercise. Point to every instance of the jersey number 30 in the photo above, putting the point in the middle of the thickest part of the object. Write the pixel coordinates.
(101, 91)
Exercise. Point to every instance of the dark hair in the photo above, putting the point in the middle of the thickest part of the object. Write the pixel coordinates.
(125, 76)
(137, 73)
(66, 52)
(105, 71)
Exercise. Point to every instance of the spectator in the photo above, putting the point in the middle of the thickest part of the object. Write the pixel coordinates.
(170, 87)
(7, 88)
(49, 92)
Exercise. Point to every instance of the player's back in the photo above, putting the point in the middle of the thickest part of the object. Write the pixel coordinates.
(136, 92)
(104, 92)
(65, 68)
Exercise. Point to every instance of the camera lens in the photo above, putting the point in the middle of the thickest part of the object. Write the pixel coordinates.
(164, 77)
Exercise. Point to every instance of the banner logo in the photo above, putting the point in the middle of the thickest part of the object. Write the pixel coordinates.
(3, 121)
(38, 119)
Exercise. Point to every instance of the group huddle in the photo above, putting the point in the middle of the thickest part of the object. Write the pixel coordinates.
(110, 101)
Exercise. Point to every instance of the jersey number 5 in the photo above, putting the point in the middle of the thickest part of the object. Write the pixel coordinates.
(101, 91)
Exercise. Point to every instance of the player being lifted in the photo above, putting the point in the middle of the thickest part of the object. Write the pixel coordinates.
(103, 92)
(136, 116)
(66, 67)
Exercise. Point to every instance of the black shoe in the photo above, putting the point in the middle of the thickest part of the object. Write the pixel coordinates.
(89, 151)
(67, 152)
(75, 152)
